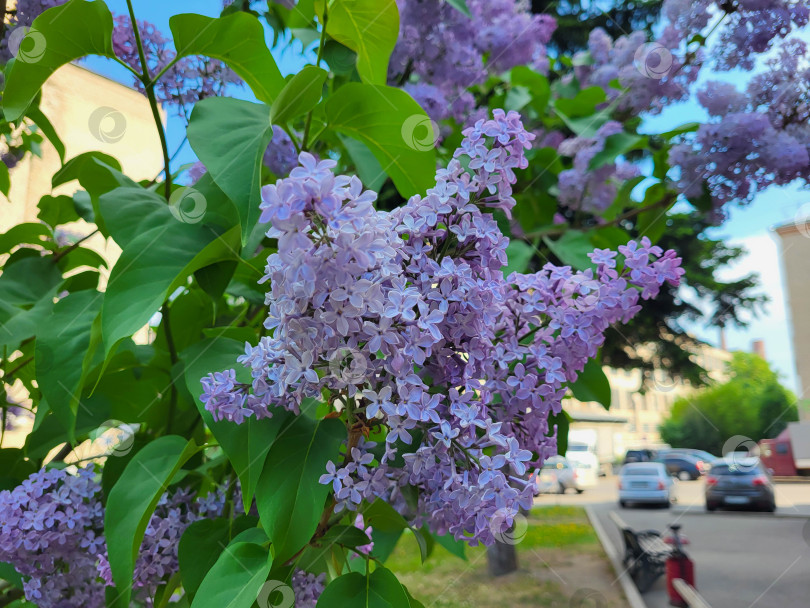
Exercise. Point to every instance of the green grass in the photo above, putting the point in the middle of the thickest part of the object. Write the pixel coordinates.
(558, 539)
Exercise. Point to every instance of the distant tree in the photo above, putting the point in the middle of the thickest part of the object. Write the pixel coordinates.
(576, 20)
(752, 403)
(721, 303)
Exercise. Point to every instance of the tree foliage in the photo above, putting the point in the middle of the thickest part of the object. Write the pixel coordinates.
(752, 403)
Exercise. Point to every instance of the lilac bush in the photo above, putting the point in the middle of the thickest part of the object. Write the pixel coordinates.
(408, 321)
(449, 52)
(52, 532)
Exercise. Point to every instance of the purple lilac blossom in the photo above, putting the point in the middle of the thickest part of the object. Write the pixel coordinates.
(460, 364)
(758, 137)
(307, 588)
(591, 189)
(280, 156)
(22, 15)
(449, 51)
(51, 531)
(186, 82)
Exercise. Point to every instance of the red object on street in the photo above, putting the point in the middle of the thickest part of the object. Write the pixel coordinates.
(678, 566)
(777, 454)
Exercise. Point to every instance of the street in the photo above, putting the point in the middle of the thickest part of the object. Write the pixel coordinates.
(742, 559)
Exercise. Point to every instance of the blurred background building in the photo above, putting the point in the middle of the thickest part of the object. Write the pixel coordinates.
(795, 254)
(635, 414)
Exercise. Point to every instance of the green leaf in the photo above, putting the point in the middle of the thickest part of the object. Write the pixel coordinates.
(519, 253)
(47, 129)
(58, 36)
(14, 469)
(236, 579)
(5, 179)
(386, 120)
(238, 40)
(583, 104)
(98, 174)
(246, 444)
(10, 575)
(299, 95)
(562, 421)
(616, 145)
(456, 547)
(31, 233)
(382, 517)
(536, 83)
(152, 265)
(380, 589)
(460, 6)
(689, 127)
(368, 27)
(368, 168)
(57, 210)
(592, 384)
(572, 249)
(64, 350)
(244, 130)
(201, 545)
(289, 495)
(132, 502)
(28, 286)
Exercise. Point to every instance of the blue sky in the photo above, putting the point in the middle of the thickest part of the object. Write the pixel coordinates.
(749, 226)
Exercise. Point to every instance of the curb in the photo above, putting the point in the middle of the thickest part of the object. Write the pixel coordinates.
(634, 598)
(781, 513)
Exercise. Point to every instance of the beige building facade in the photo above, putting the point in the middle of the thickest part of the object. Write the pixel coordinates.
(795, 254)
(634, 417)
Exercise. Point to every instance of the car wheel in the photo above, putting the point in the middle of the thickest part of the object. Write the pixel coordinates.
(770, 508)
(579, 490)
(710, 507)
(561, 488)
(623, 504)
(684, 476)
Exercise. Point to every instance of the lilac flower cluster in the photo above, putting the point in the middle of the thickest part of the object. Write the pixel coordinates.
(658, 73)
(280, 156)
(759, 136)
(591, 190)
(650, 75)
(747, 27)
(407, 321)
(187, 81)
(51, 531)
(307, 588)
(447, 52)
(22, 15)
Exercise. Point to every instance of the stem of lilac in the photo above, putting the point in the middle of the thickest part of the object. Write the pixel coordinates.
(308, 125)
(168, 66)
(149, 86)
(164, 310)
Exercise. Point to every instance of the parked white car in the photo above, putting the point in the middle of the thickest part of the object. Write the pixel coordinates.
(585, 462)
(556, 476)
(647, 483)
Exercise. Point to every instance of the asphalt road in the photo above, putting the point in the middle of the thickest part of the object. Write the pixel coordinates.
(742, 560)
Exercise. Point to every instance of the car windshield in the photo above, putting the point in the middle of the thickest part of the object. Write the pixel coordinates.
(649, 471)
(736, 469)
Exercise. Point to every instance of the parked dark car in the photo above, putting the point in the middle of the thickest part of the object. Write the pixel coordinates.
(739, 482)
(682, 466)
(639, 456)
(701, 455)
